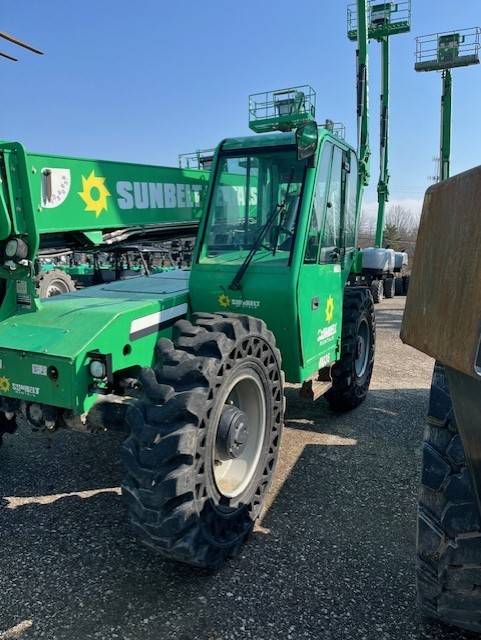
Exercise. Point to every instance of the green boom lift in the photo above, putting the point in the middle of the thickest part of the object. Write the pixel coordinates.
(383, 268)
(443, 52)
(385, 20)
(193, 365)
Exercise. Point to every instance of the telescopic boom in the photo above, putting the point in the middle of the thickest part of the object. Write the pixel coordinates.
(363, 149)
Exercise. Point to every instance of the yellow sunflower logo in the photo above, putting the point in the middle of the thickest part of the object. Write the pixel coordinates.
(94, 193)
(329, 309)
(4, 384)
(223, 300)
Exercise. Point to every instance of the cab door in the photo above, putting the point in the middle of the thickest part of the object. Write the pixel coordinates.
(320, 285)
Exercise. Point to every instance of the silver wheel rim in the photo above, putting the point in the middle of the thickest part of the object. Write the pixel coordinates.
(363, 348)
(56, 289)
(245, 392)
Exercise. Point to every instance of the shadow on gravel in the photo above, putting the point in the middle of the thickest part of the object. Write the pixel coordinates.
(336, 560)
(389, 318)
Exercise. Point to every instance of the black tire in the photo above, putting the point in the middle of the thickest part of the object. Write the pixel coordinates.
(406, 280)
(398, 286)
(53, 283)
(171, 456)
(448, 536)
(7, 426)
(350, 383)
(377, 291)
(388, 288)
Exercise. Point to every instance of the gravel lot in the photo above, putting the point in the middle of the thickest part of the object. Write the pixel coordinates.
(332, 559)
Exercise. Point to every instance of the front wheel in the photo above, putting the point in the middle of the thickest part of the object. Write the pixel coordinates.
(388, 288)
(377, 291)
(7, 425)
(351, 375)
(205, 438)
(54, 283)
(398, 286)
(449, 524)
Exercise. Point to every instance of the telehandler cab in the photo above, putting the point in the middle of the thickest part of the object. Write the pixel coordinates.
(193, 365)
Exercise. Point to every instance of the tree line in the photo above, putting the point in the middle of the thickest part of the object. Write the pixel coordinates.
(400, 231)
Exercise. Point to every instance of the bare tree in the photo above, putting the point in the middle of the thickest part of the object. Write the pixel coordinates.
(402, 219)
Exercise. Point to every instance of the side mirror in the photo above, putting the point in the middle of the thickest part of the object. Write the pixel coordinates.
(307, 137)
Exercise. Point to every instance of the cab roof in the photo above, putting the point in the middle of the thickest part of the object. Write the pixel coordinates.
(271, 140)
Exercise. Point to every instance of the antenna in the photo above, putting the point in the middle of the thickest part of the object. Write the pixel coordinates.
(20, 43)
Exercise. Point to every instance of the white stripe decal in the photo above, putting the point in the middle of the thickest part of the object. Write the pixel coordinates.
(154, 319)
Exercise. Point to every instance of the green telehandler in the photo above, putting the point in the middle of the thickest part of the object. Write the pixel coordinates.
(192, 364)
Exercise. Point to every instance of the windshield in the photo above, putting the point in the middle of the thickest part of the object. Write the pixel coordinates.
(249, 190)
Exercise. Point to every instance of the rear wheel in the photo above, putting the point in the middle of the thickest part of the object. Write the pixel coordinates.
(377, 291)
(406, 280)
(398, 286)
(449, 536)
(54, 283)
(6, 426)
(388, 288)
(204, 438)
(351, 375)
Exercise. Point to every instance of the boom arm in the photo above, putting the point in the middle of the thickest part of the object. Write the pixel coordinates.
(364, 151)
(383, 184)
(446, 111)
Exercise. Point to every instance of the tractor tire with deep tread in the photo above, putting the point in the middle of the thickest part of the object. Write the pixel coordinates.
(449, 526)
(388, 288)
(377, 291)
(351, 375)
(7, 426)
(54, 283)
(179, 503)
(398, 286)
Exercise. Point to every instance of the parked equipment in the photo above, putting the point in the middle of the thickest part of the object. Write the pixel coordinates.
(442, 52)
(385, 20)
(442, 319)
(193, 365)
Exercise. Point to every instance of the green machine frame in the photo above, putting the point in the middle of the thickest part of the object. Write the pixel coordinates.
(443, 52)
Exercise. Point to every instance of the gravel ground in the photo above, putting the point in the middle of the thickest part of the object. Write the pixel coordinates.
(332, 559)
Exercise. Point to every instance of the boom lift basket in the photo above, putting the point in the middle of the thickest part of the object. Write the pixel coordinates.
(384, 18)
(200, 159)
(441, 51)
(282, 110)
(337, 129)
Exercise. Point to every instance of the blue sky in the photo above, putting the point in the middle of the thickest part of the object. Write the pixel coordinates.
(146, 81)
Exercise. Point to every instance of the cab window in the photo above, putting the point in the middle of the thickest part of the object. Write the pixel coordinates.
(350, 216)
(319, 206)
(331, 237)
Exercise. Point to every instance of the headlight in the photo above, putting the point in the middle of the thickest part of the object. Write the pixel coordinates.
(16, 249)
(97, 369)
